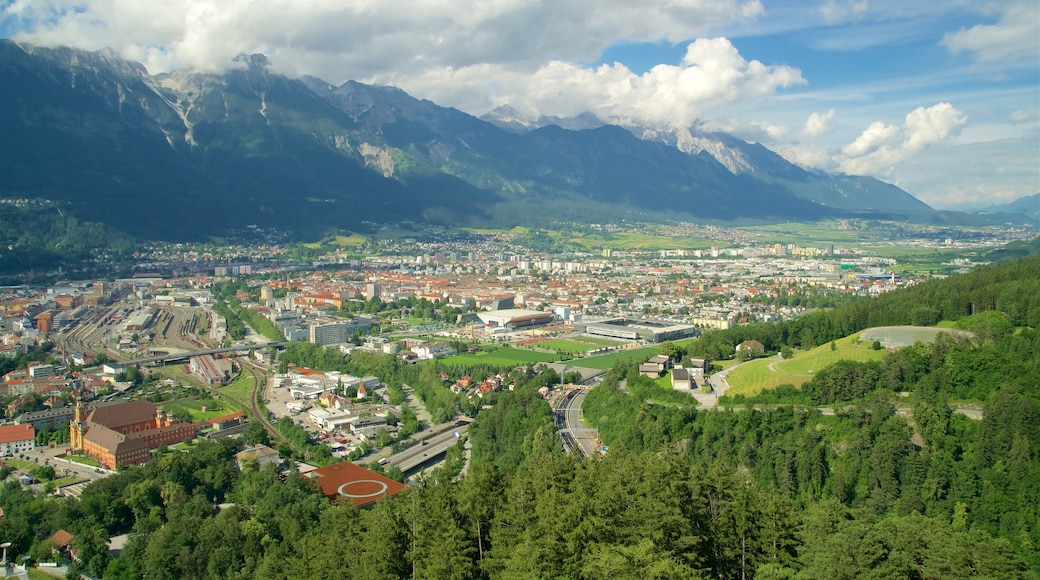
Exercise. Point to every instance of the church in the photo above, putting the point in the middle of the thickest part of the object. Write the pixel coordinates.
(124, 432)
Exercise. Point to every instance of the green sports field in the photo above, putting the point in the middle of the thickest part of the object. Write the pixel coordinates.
(598, 340)
(568, 346)
(501, 357)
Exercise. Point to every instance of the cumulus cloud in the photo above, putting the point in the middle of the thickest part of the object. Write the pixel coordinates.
(880, 146)
(471, 54)
(343, 39)
(819, 123)
(1010, 40)
(711, 74)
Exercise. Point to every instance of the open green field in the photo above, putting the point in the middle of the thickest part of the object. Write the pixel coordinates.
(500, 357)
(636, 241)
(598, 340)
(807, 233)
(568, 346)
(213, 410)
(342, 241)
(754, 377)
(239, 389)
(18, 463)
(605, 361)
(61, 482)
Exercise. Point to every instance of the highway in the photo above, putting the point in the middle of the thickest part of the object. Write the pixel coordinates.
(435, 445)
(575, 434)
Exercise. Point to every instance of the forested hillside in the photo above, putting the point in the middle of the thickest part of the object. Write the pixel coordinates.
(894, 484)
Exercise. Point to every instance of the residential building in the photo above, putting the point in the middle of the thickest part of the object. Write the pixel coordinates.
(262, 454)
(15, 439)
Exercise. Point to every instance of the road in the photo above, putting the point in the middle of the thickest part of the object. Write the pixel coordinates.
(573, 430)
(429, 448)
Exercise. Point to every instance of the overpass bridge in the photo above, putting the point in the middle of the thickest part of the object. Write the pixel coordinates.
(179, 356)
(429, 448)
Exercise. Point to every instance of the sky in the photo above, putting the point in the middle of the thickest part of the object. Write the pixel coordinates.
(940, 97)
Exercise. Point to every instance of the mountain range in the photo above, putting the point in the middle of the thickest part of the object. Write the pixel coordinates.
(1028, 206)
(189, 155)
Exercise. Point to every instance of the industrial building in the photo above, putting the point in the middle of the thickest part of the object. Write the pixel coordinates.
(641, 329)
(515, 318)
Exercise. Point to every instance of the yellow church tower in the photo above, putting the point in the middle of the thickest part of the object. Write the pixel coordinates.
(76, 427)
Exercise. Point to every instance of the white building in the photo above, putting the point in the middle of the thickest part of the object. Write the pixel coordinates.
(15, 439)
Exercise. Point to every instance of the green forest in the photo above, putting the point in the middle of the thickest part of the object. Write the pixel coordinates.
(870, 470)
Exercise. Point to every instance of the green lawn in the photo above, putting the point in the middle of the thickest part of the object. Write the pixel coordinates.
(568, 346)
(752, 378)
(598, 341)
(806, 363)
(605, 361)
(18, 463)
(183, 446)
(64, 481)
(83, 460)
(213, 410)
(769, 373)
(239, 389)
(500, 357)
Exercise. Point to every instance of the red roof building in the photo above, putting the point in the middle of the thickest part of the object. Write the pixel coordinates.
(349, 482)
(15, 439)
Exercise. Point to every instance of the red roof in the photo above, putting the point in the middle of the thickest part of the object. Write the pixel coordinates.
(61, 539)
(305, 371)
(349, 482)
(12, 433)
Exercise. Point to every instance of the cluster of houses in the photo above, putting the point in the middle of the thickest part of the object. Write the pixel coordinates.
(689, 378)
(477, 389)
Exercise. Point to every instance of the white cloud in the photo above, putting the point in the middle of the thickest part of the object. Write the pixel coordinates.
(810, 158)
(881, 146)
(1030, 115)
(1011, 40)
(819, 123)
(711, 75)
(342, 39)
(753, 131)
(837, 12)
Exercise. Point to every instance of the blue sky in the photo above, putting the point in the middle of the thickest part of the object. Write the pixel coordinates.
(939, 97)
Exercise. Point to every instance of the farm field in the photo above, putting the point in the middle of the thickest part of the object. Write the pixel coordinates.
(754, 377)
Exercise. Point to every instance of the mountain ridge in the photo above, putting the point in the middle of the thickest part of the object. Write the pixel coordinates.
(189, 155)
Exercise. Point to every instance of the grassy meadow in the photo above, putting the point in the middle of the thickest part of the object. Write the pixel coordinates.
(768, 373)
